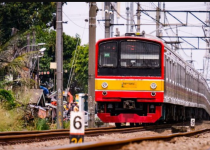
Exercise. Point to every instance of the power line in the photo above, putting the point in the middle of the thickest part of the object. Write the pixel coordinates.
(120, 14)
(100, 26)
(183, 51)
(73, 22)
(153, 4)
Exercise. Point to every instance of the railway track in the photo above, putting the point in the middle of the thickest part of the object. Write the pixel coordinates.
(46, 131)
(117, 144)
(37, 136)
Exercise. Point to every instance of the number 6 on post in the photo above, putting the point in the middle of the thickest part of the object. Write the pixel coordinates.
(77, 128)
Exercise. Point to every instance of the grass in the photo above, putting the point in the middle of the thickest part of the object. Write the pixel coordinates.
(66, 124)
(14, 119)
(11, 119)
(41, 124)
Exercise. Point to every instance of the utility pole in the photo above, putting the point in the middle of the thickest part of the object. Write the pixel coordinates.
(28, 50)
(59, 60)
(117, 32)
(138, 16)
(158, 19)
(112, 19)
(34, 40)
(33, 48)
(28, 42)
(131, 16)
(107, 19)
(207, 56)
(117, 4)
(91, 63)
(127, 12)
(37, 73)
(177, 45)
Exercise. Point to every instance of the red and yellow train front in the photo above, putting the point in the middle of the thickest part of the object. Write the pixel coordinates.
(129, 79)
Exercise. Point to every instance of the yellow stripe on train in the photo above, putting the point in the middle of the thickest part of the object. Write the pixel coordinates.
(142, 85)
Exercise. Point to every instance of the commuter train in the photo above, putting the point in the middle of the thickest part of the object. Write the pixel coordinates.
(140, 79)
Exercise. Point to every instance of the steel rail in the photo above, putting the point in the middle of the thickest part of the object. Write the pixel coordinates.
(11, 139)
(47, 131)
(117, 144)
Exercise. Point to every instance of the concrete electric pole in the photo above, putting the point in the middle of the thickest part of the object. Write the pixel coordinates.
(59, 61)
(112, 18)
(28, 50)
(127, 12)
(91, 64)
(207, 54)
(138, 16)
(107, 19)
(131, 17)
(28, 42)
(34, 40)
(158, 19)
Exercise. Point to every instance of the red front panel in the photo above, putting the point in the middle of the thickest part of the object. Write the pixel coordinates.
(134, 118)
(140, 96)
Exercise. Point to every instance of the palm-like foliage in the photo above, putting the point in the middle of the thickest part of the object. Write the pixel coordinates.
(15, 65)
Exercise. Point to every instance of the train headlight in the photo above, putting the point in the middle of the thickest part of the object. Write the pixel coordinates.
(104, 85)
(153, 86)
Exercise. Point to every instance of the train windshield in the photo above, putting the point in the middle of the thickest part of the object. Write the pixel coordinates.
(139, 54)
(108, 54)
(126, 57)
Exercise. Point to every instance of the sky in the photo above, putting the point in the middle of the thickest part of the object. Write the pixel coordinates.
(76, 13)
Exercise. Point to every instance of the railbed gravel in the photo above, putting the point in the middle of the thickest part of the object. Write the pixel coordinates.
(200, 142)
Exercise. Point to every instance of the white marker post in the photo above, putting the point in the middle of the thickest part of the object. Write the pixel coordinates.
(192, 124)
(77, 128)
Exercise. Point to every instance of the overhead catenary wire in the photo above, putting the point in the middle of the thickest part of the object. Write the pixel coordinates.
(153, 4)
(171, 30)
(73, 22)
(175, 34)
(100, 26)
(120, 14)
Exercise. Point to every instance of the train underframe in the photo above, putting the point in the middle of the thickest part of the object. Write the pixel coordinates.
(137, 112)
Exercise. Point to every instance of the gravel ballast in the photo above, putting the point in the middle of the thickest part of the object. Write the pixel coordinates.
(201, 142)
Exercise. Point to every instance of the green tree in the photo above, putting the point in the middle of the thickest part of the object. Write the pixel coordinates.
(10, 65)
(69, 45)
(23, 16)
(80, 68)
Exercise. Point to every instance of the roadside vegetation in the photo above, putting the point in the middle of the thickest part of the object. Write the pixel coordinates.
(17, 20)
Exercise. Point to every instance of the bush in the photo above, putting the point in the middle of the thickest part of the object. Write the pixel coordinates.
(98, 122)
(7, 95)
(7, 98)
(41, 124)
(66, 124)
(11, 119)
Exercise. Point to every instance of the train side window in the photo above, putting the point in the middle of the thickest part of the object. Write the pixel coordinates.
(187, 80)
(166, 68)
(174, 74)
(170, 73)
(169, 66)
(179, 72)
